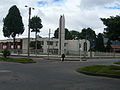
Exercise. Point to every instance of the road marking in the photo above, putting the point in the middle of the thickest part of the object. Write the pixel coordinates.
(2, 71)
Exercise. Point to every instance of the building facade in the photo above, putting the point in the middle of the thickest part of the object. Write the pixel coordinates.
(48, 45)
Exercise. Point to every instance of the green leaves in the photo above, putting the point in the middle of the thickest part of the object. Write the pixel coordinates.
(6, 53)
(75, 35)
(112, 29)
(35, 24)
(100, 43)
(13, 22)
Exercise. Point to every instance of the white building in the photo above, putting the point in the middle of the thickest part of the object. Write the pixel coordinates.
(51, 45)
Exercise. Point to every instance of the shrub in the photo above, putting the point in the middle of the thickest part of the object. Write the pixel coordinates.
(6, 53)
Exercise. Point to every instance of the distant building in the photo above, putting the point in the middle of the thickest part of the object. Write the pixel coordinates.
(114, 44)
(51, 46)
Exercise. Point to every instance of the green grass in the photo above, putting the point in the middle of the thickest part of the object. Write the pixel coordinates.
(117, 62)
(19, 60)
(101, 69)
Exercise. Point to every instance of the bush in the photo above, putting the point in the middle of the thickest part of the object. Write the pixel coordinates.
(6, 53)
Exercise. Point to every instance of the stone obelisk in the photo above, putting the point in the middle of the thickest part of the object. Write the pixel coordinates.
(61, 34)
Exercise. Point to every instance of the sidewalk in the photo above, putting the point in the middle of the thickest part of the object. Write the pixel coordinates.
(67, 58)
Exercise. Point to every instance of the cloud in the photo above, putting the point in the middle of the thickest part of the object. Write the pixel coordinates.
(115, 5)
(87, 4)
(78, 13)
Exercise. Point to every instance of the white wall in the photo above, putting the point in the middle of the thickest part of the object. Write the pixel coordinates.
(71, 45)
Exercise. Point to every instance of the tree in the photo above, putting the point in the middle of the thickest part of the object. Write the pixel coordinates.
(89, 34)
(67, 34)
(75, 35)
(112, 29)
(100, 43)
(13, 24)
(108, 46)
(6, 53)
(35, 25)
(56, 33)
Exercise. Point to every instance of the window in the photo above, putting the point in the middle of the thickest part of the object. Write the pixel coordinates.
(85, 46)
(41, 42)
(65, 44)
(56, 43)
(49, 42)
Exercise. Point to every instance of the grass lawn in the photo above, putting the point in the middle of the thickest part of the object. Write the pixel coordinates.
(101, 70)
(19, 60)
(117, 62)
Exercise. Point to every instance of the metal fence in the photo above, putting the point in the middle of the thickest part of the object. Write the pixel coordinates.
(68, 53)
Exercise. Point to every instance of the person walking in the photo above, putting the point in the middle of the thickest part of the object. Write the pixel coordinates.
(63, 56)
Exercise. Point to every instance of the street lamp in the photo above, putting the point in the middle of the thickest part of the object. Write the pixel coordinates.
(29, 30)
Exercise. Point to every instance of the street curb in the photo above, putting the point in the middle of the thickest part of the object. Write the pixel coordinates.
(100, 74)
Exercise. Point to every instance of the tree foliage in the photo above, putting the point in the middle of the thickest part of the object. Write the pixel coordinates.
(13, 24)
(88, 33)
(67, 34)
(75, 35)
(35, 24)
(108, 46)
(112, 29)
(6, 53)
(100, 43)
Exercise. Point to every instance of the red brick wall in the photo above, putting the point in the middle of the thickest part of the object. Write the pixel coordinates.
(9, 44)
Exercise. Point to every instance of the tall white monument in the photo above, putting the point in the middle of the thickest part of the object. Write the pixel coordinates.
(61, 34)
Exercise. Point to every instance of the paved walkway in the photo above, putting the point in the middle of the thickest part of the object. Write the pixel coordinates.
(53, 75)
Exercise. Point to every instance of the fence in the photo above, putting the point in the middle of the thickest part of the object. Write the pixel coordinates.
(68, 53)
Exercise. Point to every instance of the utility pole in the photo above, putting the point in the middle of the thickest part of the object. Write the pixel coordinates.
(29, 30)
(85, 45)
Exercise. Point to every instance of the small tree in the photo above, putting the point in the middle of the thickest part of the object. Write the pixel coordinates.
(13, 24)
(35, 25)
(6, 53)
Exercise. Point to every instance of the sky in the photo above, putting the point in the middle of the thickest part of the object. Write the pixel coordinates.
(78, 14)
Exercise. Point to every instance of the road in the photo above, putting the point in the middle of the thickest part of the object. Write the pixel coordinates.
(54, 75)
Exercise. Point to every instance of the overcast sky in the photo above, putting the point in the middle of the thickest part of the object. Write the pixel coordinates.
(79, 14)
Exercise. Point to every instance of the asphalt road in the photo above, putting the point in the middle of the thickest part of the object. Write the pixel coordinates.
(53, 75)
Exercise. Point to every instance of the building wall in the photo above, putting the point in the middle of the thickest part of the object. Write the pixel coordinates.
(76, 45)
(51, 45)
(8, 44)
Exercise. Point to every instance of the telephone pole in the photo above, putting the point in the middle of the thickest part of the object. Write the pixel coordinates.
(29, 30)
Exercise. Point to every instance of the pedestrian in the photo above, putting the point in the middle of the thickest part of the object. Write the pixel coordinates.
(63, 56)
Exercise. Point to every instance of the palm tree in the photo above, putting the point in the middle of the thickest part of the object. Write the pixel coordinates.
(35, 25)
